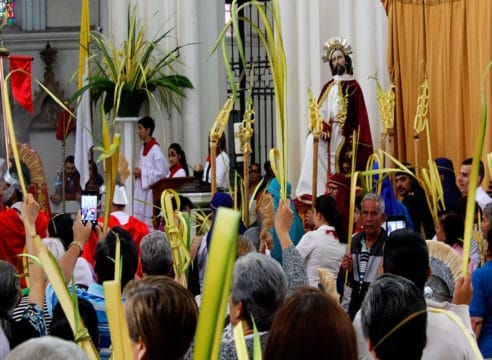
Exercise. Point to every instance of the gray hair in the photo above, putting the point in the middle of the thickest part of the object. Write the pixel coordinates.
(390, 300)
(54, 246)
(9, 294)
(156, 254)
(47, 347)
(260, 284)
(376, 198)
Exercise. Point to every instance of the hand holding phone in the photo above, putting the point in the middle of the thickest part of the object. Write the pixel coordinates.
(88, 210)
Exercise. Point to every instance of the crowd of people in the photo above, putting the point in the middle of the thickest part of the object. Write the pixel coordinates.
(299, 282)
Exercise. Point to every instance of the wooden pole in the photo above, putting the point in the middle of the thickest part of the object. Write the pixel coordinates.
(246, 185)
(4, 53)
(315, 170)
(213, 165)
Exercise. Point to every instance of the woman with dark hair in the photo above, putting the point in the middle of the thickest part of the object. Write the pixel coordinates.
(321, 247)
(162, 317)
(95, 180)
(177, 161)
(311, 325)
(450, 230)
(222, 163)
(61, 328)
(481, 306)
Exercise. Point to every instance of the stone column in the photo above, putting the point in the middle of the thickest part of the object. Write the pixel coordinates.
(34, 15)
(127, 148)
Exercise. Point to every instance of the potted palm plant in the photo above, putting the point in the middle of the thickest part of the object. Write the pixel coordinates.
(137, 72)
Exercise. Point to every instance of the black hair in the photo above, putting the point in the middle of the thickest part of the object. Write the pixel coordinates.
(70, 159)
(481, 169)
(148, 123)
(61, 328)
(406, 254)
(61, 226)
(181, 156)
(453, 225)
(106, 252)
(327, 207)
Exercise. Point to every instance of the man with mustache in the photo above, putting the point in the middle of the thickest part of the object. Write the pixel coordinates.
(343, 110)
(366, 252)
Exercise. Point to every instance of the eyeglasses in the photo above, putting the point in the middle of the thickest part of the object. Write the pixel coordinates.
(332, 188)
(172, 154)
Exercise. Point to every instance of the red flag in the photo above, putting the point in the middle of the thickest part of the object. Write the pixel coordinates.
(21, 80)
(66, 124)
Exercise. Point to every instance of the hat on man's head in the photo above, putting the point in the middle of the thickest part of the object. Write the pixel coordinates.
(119, 197)
(335, 43)
(444, 165)
(221, 199)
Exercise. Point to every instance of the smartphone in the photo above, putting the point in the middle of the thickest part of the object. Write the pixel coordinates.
(395, 222)
(88, 202)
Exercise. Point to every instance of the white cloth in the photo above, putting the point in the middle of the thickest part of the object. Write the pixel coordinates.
(445, 339)
(177, 174)
(222, 165)
(153, 167)
(329, 110)
(320, 249)
(122, 217)
(482, 198)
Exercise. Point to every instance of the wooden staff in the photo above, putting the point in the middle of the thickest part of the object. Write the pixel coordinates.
(4, 52)
(213, 166)
(315, 125)
(315, 169)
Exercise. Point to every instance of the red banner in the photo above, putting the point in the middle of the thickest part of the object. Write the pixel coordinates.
(20, 67)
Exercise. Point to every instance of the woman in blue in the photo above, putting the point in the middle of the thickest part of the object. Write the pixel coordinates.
(481, 304)
(296, 230)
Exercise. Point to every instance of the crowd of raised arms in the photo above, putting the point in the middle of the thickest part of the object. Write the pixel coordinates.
(396, 289)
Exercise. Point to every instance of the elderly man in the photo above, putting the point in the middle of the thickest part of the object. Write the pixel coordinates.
(366, 252)
(156, 254)
(344, 111)
(406, 254)
(389, 301)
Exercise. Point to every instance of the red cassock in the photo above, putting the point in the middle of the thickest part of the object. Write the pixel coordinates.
(13, 236)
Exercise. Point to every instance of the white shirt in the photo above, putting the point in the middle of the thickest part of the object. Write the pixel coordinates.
(482, 198)
(222, 165)
(321, 249)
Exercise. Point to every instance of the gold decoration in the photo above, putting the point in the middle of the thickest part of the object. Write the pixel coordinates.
(335, 43)
(342, 111)
(315, 119)
(246, 130)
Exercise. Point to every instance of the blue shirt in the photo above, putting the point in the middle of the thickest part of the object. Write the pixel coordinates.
(95, 295)
(481, 306)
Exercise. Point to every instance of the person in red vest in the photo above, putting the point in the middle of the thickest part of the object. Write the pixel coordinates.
(13, 240)
(118, 217)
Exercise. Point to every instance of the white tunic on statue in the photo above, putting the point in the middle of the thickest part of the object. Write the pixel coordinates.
(329, 110)
(153, 167)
